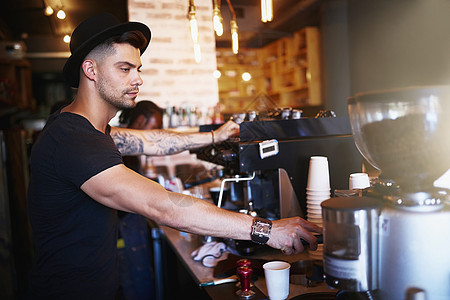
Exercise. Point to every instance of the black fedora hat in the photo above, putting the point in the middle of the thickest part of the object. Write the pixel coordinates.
(91, 33)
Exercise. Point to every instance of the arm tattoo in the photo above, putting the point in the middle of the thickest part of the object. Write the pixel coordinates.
(154, 142)
(166, 143)
(128, 143)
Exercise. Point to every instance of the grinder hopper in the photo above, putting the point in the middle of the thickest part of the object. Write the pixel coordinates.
(404, 133)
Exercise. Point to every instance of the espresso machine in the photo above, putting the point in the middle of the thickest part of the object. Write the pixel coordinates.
(275, 154)
(393, 242)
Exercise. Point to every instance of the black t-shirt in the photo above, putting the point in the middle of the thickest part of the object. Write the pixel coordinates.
(75, 236)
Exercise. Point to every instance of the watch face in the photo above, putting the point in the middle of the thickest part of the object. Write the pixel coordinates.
(262, 228)
(261, 231)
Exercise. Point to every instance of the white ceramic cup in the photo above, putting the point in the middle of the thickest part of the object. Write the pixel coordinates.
(318, 174)
(358, 181)
(277, 279)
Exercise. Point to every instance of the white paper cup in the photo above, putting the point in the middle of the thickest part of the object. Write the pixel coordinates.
(317, 203)
(317, 222)
(317, 198)
(358, 181)
(323, 196)
(277, 279)
(314, 214)
(318, 192)
(315, 217)
(314, 210)
(318, 174)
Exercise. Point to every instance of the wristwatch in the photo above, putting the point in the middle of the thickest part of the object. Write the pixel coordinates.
(261, 230)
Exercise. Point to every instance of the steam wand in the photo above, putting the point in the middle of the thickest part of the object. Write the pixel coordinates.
(235, 179)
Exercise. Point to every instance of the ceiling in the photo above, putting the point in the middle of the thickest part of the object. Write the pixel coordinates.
(289, 16)
(27, 15)
(25, 20)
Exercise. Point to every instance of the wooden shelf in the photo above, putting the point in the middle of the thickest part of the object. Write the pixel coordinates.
(15, 83)
(288, 70)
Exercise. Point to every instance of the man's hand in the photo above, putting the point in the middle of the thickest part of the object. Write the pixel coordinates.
(224, 132)
(286, 235)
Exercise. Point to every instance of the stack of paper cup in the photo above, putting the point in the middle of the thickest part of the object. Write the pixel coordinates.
(317, 190)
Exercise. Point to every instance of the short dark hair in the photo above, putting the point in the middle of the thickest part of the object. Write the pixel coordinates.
(134, 38)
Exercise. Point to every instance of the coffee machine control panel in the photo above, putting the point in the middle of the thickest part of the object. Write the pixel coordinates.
(268, 148)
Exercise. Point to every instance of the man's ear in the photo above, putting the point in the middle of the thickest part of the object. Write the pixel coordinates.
(88, 67)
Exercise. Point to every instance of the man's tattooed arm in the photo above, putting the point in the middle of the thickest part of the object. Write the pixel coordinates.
(165, 142)
(127, 143)
(157, 142)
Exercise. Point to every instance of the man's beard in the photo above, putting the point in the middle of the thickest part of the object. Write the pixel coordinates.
(116, 98)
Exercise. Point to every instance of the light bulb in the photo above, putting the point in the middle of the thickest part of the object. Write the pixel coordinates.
(197, 53)
(246, 76)
(217, 74)
(66, 39)
(218, 27)
(48, 11)
(235, 41)
(217, 19)
(61, 14)
(266, 10)
(194, 29)
(193, 23)
(234, 36)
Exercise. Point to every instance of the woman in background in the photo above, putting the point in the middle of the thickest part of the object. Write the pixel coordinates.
(136, 274)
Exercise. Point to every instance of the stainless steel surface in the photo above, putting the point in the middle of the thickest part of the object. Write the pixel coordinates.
(289, 205)
(351, 242)
(414, 252)
(236, 179)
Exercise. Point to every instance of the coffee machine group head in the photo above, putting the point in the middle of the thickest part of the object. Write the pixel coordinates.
(399, 248)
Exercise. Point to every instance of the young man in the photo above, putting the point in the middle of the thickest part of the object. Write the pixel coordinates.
(78, 180)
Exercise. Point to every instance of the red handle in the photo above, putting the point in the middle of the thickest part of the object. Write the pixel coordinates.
(245, 273)
(243, 262)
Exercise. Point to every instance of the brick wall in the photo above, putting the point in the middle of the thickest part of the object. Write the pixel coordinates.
(171, 75)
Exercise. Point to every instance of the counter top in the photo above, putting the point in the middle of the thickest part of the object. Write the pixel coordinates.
(184, 244)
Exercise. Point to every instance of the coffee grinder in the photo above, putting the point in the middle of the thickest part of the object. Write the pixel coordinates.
(393, 243)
